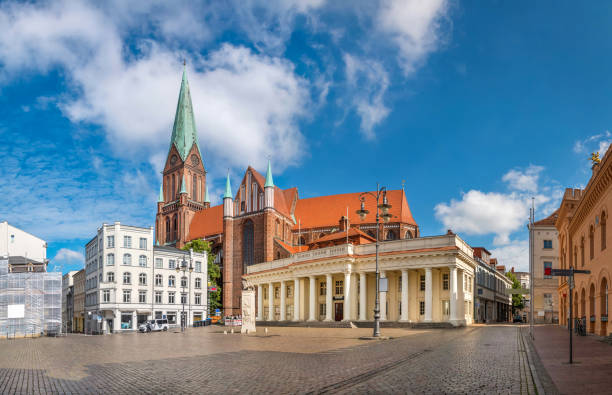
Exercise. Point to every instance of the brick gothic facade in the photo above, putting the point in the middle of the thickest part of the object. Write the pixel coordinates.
(260, 222)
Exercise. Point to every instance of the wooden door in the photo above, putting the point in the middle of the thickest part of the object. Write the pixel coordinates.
(339, 310)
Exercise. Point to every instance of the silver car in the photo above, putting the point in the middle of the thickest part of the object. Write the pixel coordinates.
(154, 326)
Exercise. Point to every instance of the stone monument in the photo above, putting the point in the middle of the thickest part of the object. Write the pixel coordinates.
(248, 308)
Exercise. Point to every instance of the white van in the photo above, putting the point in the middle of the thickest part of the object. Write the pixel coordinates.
(154, 325)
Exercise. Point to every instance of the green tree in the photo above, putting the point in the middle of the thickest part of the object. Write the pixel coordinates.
(518, 302)
(214, 273)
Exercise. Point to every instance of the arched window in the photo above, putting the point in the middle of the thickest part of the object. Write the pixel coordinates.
(183, 281)
(591, 242)
(142, 279)
(127, 278)
(603, 230)
(127, 259)
(159, 280)
(302, 241)
(194, 187)
(142, 261)
(173, 187)
(604, 297)
(408, 235)
(168, 235)
(171, 281)
(582, 251)
(110, 259)
(174, 228)
(247, 245)
(391, 235)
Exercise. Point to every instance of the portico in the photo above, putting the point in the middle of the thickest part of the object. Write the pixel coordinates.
(430, 280)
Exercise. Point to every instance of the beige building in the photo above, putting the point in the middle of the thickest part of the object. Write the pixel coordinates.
(78, 323)
(545, 255)
(430, 279)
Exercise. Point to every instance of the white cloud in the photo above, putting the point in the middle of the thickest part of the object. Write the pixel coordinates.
(526, 181)
(414, 26)
(514, 254)
(368, 81)
(65, 255)
(597, 142)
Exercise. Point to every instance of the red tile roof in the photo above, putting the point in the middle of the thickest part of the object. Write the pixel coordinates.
(325, 210)
(289, 248)
(206, 223)
(352, 233)
(550, 220)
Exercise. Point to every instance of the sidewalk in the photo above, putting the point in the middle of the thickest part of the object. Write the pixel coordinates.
(591, 372)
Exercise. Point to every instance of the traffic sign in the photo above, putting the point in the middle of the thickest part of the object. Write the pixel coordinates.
(563, 272)
(212, 289)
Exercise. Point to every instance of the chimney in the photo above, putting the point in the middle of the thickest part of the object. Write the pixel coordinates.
(343, 223)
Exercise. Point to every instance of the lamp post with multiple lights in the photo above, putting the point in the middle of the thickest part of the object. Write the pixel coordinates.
(382, 210)
(183, 268)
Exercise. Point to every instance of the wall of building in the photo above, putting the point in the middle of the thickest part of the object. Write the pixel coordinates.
(545, 296)
(16, 242)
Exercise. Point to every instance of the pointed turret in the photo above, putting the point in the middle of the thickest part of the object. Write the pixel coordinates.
(269, 189)
(184, 134)
(160, 199)
(228, 200)
(269, 180)
(228, 189)
(183, 188)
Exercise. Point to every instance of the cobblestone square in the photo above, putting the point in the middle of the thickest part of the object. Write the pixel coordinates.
(479, 359)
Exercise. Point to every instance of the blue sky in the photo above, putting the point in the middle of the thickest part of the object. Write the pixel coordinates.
(477, 106)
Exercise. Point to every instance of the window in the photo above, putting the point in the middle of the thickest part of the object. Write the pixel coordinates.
(391, 235)
(548, 244)
(127, 241)
(446, 307)
(142, 243)
(127, 278)
(265, 292)
(173, 187)
(339, 287)
(399, 284)
(142, 261)
(171, 282)
(322, 309)
(183, 281)
(110, 277)
(198, 299)
(422, 282)
(289, 291)
(170, 299)
(445, 281)
(194, 184)
(248, 245)
(171, 264)
(582, 251)
(198, 267)
(198, 283)
(323, 288)
(142, 279)
(422, 307)
(127, 296)
(276, 292)
(591, 242)
(110, 241)
(603, 231)
(142, 296)
(106, 296)
(183, 298)
(110, 259)
(158, 297)
(547, 265)
(159, 280)
(127, 259)
(159, 263)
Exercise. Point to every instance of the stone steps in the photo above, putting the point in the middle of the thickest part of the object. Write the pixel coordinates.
(358, 324)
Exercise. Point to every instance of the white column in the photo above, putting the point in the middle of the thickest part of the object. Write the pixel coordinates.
(346, 314)
(259, 302)
(383, 300)
(283, 308)
(328, 298)
(270, 302)
(311, 309)
(354, 297)
(296, 299)
(453, 294)
(404, 315)
(362, 296)
(428, 295)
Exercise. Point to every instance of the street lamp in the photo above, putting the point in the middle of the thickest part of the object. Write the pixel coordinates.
(382, 210)
(183, 268)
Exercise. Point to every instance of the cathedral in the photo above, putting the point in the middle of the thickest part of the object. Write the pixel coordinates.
(258, 221)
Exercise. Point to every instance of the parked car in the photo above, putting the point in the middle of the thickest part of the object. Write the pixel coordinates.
(154, 326)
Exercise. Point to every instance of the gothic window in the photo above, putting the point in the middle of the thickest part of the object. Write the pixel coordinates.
(247, 245)
(174, 228)
(408, 235)
(173, 187)
(261, 200)
(603, 231)
(195, 188)
(254, 194)
(391, 235)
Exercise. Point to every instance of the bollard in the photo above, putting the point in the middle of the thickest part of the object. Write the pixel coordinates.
(225, 332)
(266, 331)
(232, 330)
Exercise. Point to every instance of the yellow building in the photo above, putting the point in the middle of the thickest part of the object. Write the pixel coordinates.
(79, 301)
(583, 243)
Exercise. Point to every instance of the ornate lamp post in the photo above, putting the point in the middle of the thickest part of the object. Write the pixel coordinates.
(183, 268)
(382, 210)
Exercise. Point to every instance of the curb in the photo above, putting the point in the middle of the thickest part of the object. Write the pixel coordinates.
(533, 360)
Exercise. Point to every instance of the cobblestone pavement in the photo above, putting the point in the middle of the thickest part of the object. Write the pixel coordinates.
(480, 359)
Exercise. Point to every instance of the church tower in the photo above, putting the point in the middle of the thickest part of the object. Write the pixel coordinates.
(183, 191)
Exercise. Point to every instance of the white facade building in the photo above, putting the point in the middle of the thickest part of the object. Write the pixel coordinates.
(430, 280)
(129, 281)
(16, 242)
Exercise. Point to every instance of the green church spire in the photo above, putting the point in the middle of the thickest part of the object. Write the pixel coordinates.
(160, 199)
(184, 134)
(269, 180)
(183, 189)
(206, 198)
(228, 188)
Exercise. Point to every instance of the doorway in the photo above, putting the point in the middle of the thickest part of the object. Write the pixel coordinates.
(109, 326)
(338, 311)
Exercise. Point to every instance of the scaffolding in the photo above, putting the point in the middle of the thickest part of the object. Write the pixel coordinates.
(30, 303)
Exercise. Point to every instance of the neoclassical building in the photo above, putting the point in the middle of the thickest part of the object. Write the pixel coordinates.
(430, 279)
(583, 244)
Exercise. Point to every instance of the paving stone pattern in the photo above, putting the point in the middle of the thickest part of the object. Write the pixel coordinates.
(468, 360)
